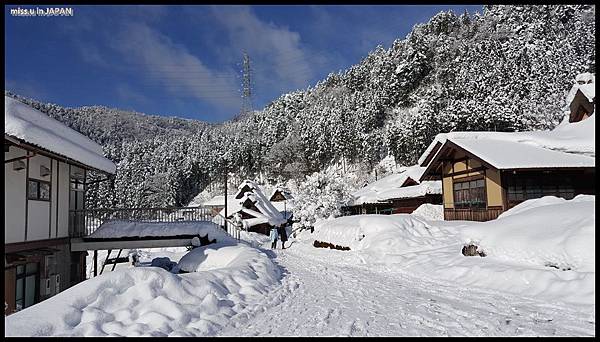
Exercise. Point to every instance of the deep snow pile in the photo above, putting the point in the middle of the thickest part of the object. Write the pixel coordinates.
(126, 228)
(380, 234)
(430, 211)
(543, 247)
(149, 301)
(548, 231)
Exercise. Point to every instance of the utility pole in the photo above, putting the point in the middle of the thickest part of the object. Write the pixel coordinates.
(246, 85)
(225, 199)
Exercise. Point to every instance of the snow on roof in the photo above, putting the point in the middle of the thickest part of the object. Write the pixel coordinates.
(286, 193)
(421, 189)
(249, 183)
(568, 145)
(503, 154)
(126, 228)
(34, 127)
(586, 83)
(218, 201)
(267, 212)
(586, 77)
(371, 192)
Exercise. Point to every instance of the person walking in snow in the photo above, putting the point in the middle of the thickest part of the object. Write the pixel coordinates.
(283, 234)
(273, 236)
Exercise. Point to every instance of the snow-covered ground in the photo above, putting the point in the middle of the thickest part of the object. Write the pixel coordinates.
(404, 276)
(149, 301)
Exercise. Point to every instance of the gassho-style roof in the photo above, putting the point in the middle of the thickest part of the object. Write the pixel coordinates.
(569, 145)
(286, 193)
(267, 212)
(396, 186)
(585, 84)
(29, 125)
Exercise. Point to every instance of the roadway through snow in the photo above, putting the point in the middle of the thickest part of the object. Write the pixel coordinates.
(330, 293)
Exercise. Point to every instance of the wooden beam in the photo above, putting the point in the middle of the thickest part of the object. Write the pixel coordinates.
(29, 245)
(458, 173)
(19, 158)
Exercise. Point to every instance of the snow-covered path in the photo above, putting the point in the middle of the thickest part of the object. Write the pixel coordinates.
(329, 293)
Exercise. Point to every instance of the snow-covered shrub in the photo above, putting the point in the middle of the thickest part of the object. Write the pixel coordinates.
(320, 196)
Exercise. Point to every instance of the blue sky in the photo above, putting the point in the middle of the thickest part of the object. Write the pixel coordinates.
(185, 61)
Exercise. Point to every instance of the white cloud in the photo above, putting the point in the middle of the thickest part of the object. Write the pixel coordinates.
(273, 48)
(164, 62)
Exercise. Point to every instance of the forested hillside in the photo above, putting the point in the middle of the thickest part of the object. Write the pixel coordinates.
(508, 69)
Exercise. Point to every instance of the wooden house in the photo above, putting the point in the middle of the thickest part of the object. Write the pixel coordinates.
(46, 167)
(481, 178)
(399, 193)
(582, 98)
(257, 213)
(485, 173)
(281, 199)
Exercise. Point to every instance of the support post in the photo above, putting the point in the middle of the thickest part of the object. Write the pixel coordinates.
(95, 263)
(115, 263)
(105, 261)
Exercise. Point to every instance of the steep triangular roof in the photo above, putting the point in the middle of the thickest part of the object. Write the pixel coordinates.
(266, 213)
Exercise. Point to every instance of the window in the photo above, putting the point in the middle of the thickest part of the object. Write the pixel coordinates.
(38, 190)
(524, 187)
(469, 194)
(26, 286)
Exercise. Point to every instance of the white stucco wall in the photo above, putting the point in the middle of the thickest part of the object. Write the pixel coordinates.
(14, 198)
(38, 212)
(45, 220)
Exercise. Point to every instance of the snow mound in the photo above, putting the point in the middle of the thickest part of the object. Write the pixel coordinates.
(379, 234)
(547, 232)
(149, 301)
(32, 126)
(126, 228)
(430, 211)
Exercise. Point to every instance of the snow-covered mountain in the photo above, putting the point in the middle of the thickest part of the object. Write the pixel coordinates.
(505, 70)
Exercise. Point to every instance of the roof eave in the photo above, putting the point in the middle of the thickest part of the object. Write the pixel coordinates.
(29, 146)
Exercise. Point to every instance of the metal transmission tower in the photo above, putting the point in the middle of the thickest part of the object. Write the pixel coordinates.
(246, 86)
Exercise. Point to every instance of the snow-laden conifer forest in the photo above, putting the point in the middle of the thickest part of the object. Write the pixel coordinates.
(506, 70)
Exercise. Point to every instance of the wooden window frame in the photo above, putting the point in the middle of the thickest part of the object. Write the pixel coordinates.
(23, 276)
(468, 181)
(38, 192)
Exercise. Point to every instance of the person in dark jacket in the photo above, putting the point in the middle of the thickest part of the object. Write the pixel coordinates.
(283, 235)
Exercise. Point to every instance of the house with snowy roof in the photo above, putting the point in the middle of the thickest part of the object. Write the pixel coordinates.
(282, 200)
(46, 167)
(217, 203)
(582, 97)
(256, 211)
(485, 173)
(399, 193)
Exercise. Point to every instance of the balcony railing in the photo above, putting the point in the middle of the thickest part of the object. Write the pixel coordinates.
(472, 214)
(85, 221)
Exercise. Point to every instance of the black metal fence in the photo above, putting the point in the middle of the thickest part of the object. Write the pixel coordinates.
(85, 221)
